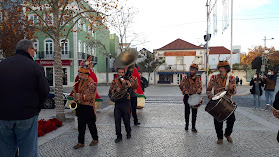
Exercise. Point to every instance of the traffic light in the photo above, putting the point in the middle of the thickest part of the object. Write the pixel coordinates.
(207, 37)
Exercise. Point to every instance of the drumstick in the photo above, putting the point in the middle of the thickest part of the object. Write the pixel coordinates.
(271, 107)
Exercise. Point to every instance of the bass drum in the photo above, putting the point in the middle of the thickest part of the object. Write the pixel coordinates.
(220, 107)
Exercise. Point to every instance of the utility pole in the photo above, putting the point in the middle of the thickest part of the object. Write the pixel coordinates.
(207, 36)
(264, 55)
(231, 31)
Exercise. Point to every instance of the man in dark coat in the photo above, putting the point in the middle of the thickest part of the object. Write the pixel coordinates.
(24, 88)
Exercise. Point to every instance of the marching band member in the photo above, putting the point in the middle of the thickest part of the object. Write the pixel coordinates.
(223, 82)
(122, 105)
(191, 84)
(93, 76)
(135, 82)
(84, 93)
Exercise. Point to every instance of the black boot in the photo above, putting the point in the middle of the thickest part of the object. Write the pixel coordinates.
(119, 138)
(194, 129)
(186, 127)
(128, 135)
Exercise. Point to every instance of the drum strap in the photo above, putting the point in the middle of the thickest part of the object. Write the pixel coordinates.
(227, 82)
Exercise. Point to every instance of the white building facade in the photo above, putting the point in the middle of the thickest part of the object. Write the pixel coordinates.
(220, 53)
(178, 56)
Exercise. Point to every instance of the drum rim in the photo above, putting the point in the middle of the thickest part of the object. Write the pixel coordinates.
(228, 115)
(192, 96)
(215, 104)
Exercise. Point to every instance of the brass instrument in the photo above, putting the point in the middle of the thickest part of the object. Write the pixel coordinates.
(127, 60)
(73, 104)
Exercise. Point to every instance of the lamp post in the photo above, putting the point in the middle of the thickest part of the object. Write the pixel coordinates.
(264, 55)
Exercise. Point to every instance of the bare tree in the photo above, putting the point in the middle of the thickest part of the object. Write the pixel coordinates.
(65, 16)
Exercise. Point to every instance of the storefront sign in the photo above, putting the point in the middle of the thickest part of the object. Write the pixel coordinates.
(181, 53)
(51, 62)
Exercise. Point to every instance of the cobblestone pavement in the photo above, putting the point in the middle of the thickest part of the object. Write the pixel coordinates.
(162, 133)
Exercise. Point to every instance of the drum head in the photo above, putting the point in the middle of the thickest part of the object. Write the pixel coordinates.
(194, 99)
(219, 95)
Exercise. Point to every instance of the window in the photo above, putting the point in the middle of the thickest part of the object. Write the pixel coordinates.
(65, 19)
(79, 46)
(49, 48)
(93, 52)
(33, 19)
(89, 50)
(84, 27)
(65, 48)
(84, 47)
(198, 60)
(36, 46)
(179, 60)
(49, 19)
(79, 23)
(49, 76)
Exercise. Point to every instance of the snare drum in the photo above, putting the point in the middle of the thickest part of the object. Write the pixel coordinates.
(195, 101)
(221, 106)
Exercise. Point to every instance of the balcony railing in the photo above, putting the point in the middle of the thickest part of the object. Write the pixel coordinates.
(82, 55)
(50, 55)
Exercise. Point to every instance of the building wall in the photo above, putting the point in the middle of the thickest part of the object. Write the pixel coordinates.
(103, 37)
(214, 59)
(81, 34)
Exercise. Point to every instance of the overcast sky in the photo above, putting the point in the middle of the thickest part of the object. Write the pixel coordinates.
(160, 22)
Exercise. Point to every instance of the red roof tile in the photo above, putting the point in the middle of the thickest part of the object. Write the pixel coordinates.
(219, 50)
(179, 44)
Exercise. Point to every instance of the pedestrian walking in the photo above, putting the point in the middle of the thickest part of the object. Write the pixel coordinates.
(237, 80)
(270, 83)
(191, 84)
(240, 82)
(24, 89)
(256, 90)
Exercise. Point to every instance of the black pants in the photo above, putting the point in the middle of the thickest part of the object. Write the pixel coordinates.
(122, 110)
(85, 116)
(134, 104)
(219, 126)
(187, 112)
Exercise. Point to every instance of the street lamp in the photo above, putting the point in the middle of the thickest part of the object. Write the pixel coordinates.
(264, 55)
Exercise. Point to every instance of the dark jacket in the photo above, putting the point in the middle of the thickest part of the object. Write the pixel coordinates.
(270, 83)
(23, 87)
(276, 101)
(253, 90)
(144, 83)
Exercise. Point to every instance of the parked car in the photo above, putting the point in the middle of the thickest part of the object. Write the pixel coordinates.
(50, 103)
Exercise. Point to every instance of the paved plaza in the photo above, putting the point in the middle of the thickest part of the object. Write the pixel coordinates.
(162, 133)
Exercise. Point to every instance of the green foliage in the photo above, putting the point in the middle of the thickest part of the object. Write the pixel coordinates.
(257, 63)
(149, 63)
(241, 66)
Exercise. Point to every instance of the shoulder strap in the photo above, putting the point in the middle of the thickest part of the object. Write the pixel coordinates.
(227, 82)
